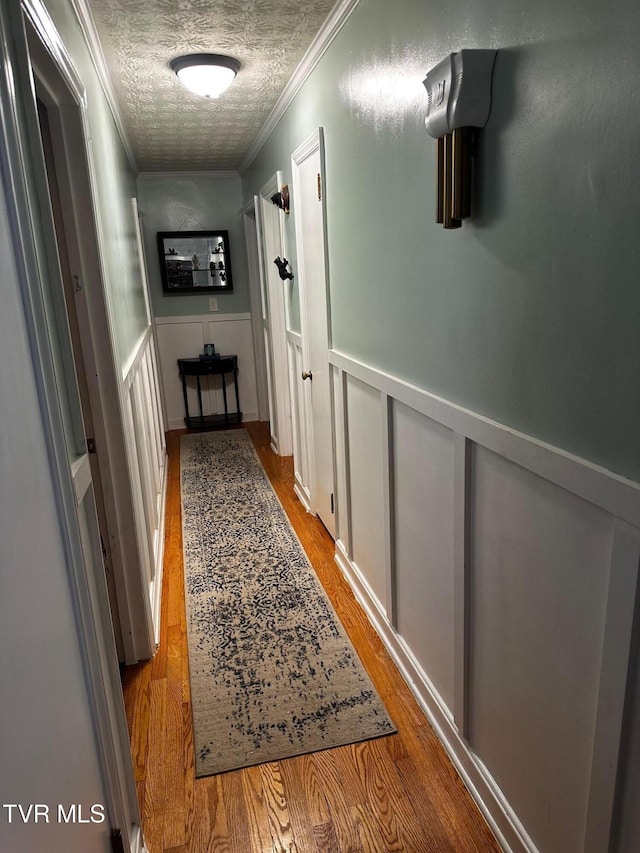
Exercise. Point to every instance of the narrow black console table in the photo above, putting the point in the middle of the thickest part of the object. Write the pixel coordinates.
(221, 366)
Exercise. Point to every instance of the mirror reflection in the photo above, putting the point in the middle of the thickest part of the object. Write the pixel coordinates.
(195, 261)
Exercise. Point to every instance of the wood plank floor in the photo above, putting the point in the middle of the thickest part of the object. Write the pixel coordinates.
(397, 794)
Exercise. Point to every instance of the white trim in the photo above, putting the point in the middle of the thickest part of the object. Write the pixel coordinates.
(156, 596)
(327, 33)
(462, 462)
(250, 228)
(316, 415)
(300, 439)
(508, 830)
(343, 485)
(278, 320)
(388, 506)
(294, 338)
(199, 318)
(49, 38)
(161, 176)
(304, 413)
(616, 656)
(614, 494)
(247, 417)
(139, 352)
(609, 491)
(301, 493)
(88, 27)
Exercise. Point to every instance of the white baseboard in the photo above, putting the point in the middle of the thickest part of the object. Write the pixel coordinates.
(157, 582)
(178, 423)
(302, 493)
(508, 830)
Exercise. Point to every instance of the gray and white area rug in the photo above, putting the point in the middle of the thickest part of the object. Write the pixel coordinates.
(273, 673)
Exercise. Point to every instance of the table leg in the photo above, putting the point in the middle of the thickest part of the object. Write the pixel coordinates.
(224, 397)
(200, 399)
(184, 394)
(235, 379)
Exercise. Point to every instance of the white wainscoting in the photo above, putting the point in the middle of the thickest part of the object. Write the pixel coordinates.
(501, 574)
(185, 337)
(146, 452)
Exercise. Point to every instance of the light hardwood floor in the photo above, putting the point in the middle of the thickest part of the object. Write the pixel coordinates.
(399, 793)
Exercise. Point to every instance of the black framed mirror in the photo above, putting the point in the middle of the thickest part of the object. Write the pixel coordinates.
(195, 261)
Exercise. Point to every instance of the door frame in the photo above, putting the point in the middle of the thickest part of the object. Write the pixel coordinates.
(250, 224)
(312, 145)
(65, 98)
(272, 243)
(35, 253)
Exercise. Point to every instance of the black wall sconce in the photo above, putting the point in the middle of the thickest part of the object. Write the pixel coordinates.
(459, 99)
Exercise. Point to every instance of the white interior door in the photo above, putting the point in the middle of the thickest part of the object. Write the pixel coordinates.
(271, 244)
(308, 197)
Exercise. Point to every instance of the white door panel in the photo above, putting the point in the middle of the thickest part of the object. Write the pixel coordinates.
(307, 165)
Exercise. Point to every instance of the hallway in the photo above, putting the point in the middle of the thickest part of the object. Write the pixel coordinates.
(398, 793)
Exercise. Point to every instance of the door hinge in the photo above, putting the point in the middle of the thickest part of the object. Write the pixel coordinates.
(117, 844)
(91, 445)
(319, 187)
(333, 506)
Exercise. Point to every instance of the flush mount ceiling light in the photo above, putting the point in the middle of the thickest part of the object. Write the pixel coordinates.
(206, 74)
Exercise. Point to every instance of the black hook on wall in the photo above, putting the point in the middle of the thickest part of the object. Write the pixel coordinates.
(284, 268)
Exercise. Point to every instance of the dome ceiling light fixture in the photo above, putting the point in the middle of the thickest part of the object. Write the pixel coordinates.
(206, 74)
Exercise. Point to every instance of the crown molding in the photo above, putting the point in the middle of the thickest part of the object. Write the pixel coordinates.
(329, 30)
(88, 27)
(150, 176)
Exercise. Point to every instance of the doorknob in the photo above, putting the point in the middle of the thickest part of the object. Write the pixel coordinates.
(307, 374)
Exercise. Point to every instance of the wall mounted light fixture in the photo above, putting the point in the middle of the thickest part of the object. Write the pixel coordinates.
(206, 74)
(459, 93)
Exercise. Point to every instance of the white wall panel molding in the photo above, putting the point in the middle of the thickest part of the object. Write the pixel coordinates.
(343, 476)
(463, 450)
(502, 575)
(199, 318)
(365, 452)
(610, 491)
(146, 452)
(508, 830)
(184, 337)
(388, 509)
(616, 657)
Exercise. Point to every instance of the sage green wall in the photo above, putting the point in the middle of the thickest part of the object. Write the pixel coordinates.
(115, 187)
(193, 202)
(530, 314)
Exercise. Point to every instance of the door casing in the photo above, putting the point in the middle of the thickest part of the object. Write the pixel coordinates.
(307, 166)
(275, 312)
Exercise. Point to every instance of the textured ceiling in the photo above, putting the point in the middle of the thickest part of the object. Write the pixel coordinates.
(171, 129)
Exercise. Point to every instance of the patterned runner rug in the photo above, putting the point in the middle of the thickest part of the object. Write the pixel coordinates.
(273, 673)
